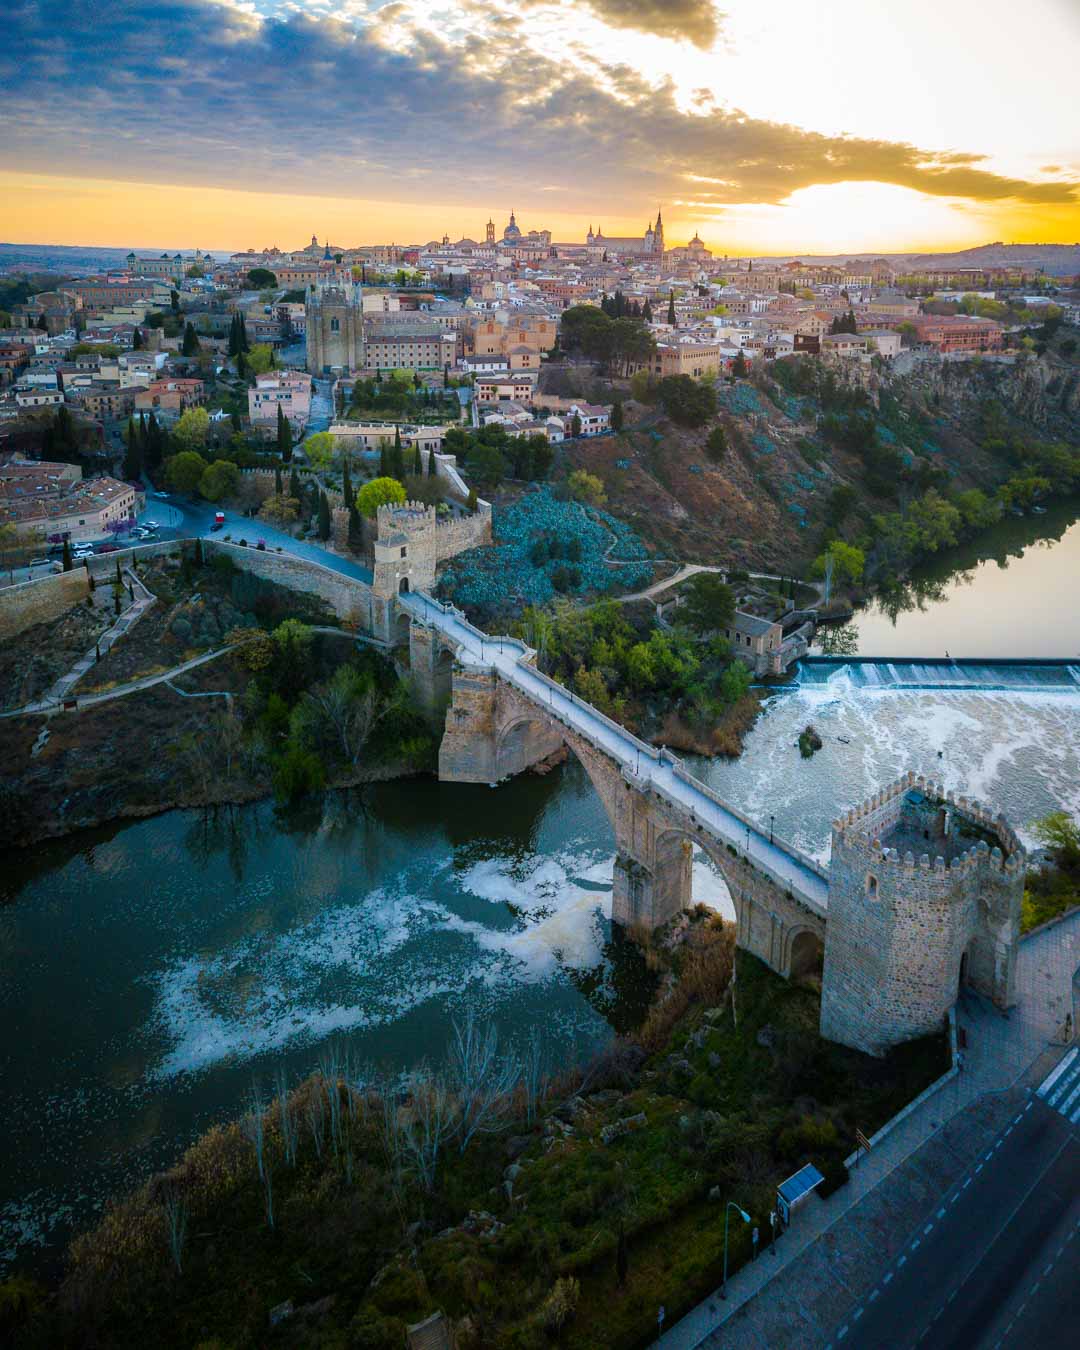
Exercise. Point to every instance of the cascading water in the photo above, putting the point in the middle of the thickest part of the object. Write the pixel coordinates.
(986, 676)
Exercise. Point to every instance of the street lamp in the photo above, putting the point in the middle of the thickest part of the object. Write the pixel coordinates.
(771, 821)
(731, 1205)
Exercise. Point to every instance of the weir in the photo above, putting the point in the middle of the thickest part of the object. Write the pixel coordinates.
(986, 675)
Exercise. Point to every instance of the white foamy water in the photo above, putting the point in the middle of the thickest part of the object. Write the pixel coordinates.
(1018, 752)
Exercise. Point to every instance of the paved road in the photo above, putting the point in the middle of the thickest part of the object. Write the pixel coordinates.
(197, 517)
(654, 768)
(998, 1262)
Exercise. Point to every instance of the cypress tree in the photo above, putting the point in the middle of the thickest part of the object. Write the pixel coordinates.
(431, 469)
(474, 503)
(616, 416)
(397, 462)
(199, 557)
(190, 345)
(137, 343)
(295, 490)
(417, 462)
(324, 516)
(384, 460)
(646, 312)
(278, 484)
(119, 575)
(68, 561)
(245, 346)
(346, 484)
(284, 436)
(671, 309)
(133, 453)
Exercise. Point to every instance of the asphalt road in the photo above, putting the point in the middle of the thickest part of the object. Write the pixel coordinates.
(998, 1264)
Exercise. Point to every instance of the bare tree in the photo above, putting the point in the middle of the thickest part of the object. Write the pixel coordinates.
(533, 1075)
(254, 1127)
(482, 1078)
(315, 1110)
(286, 1118)
(176, 1217)
(347, 710)
(426, 1123)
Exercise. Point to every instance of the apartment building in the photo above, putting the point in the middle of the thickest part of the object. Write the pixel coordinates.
(288, 390)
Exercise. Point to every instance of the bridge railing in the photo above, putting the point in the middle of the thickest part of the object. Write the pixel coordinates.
(636, 745)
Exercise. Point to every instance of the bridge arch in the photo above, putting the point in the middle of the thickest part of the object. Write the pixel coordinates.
(804, 952)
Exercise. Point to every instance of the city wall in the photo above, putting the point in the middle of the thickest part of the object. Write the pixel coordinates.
(39, 601)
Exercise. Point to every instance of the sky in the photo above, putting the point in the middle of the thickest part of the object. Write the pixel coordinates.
(766, 126)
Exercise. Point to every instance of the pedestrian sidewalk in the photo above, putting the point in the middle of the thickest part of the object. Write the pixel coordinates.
(1004, 1054)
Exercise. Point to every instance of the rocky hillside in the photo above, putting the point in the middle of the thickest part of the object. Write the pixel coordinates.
(768, 499)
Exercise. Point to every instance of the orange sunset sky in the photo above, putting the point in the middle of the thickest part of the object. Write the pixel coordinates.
(765, 126)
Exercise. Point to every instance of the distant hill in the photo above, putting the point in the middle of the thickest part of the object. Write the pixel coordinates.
(1056, 260)
(73, 260)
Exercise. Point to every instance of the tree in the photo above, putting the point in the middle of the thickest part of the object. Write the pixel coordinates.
(260, 358)
(739, 366)
(324, 516)
(847, 562)
(586, 487)
(137, 341)
(219, 480)
(174, 301)
(279, 485)
(486, 463)
(190, 344)
(671, 316)
(708, 604)
(646, 311)
(295, 489)
(192, 429)
(716, 444)
(184, 471)
(417, 463)
(259, 278)
(132, 469)
(397, 458)
(379, 492)
(68, 561)
(1060, 832)
(284, 436)
(319, 449)
(473, 501)
(618, 418)
(575, 425)
(688, 402)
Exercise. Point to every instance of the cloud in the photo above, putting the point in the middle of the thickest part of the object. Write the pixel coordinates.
(695, 20)
(193, 92)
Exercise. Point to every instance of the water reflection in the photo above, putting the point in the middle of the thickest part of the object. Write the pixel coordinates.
(1009, 593)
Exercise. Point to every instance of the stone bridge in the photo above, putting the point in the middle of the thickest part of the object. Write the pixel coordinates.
(503, 715)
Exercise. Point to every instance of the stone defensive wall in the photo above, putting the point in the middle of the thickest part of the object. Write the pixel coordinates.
(47, 597)
(40, 600)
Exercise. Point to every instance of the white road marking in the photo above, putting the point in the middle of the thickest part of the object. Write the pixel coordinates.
(856, 1314)
(887, 1278)
(916, 1243)
(873, 1295)
(928, 1228)
(978, 1169)
(902, 1261)
(941, 1212)
(967, 1183)
(841, 1333)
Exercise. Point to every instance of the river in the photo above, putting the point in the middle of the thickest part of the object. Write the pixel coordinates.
(151, 971)
(1012, 592)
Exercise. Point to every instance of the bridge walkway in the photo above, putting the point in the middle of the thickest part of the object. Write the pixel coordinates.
(642, 764)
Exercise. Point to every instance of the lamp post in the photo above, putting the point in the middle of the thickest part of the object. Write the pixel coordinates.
(772, 819)
(731, 1205)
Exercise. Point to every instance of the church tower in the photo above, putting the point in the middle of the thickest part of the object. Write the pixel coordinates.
(489, 234)
(658, 235)
(335, 328)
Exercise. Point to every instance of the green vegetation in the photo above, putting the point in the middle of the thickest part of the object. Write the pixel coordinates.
(667, 683)
(616, 343)
(401, 396)
(688, 402)
(1054, 888)
(379, 492)
(396, 1199)
(259, 278)
(490, 455)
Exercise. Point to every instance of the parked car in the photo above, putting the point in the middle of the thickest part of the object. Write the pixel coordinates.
(108, 548)
(163, 495)
(81, 553)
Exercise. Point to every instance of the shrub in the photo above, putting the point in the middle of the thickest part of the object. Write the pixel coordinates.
(561, 1304)
(297, 773)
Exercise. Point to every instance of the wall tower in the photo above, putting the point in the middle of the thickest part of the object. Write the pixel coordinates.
(924, 896)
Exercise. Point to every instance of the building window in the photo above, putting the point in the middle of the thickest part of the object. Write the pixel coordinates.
(335, 327)
(871, 887)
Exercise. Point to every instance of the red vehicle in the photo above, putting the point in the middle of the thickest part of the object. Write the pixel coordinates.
(219, 520)
(108, 548)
